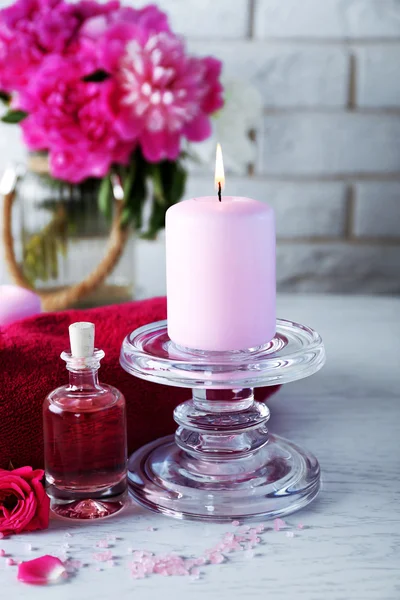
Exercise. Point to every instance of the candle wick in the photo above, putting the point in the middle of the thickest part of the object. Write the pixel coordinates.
(219, 191)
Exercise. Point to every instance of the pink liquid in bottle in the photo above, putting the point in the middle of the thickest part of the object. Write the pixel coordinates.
(85, 443)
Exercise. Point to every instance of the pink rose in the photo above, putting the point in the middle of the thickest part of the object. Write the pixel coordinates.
(24, 504)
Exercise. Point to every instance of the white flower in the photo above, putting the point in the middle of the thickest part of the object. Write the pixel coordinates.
(241, 113)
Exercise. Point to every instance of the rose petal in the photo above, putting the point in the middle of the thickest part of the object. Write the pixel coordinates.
(42, 571)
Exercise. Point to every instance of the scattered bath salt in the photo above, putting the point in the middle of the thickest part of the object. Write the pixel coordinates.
(248, 554)
(260, 528)
(10, 562)
(66, 546)
(289, 534)
(28, 547)
(195, 573)
(150, 529)
(216, 558)
(102, 544)
(300, 526)
(111, 563)
(73, 565)
(42, 571)
(236, 523)
(103, 556)
(111, 538)
(67, 535)
(2, 552)
(98, 569)
(200, 561)
(278, 524)
(130, 550)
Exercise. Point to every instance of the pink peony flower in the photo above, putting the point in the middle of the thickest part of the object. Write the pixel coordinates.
(24, 505)
(70, 118)
(160, 93)
(149, 18)
(29, 30)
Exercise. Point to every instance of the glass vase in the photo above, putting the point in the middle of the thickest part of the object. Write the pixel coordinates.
(60, 236)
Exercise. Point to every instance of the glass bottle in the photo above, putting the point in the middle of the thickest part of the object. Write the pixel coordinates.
(85, 436)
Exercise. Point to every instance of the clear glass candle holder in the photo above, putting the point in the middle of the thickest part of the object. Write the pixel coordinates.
(223, 463)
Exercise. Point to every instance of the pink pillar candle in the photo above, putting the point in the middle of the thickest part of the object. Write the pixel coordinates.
(17, 303)
(221, 284)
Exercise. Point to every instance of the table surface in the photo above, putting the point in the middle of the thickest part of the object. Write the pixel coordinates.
(349, 416)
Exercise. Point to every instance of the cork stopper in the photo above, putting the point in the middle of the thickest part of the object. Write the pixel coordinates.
(81, 336)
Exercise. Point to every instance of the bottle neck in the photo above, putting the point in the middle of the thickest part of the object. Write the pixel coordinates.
(84, 379)
(84, 372)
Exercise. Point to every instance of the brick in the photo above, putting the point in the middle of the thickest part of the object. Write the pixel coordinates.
(377, 209)
(337, 268)
(378, 82)
(327, 19)
(330, 144)
(293, 75)
(301, 209)
(205, 18)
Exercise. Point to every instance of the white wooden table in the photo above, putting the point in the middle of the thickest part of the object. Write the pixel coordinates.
(349, 548)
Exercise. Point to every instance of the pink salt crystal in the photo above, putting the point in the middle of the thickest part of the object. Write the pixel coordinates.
(67, 535)
(289, 534)
(103, 556)
(229, 537)
(41, 571)
(216, 558)
(10, 562)
(200, 561)
(278, 524)
(2, 552)
(1, 535)
(150, 529)
(300, 526)
(236, 523)
(98, 569)
(111, 563)
(195, 572)
(111, 538)
(102, 544)
(260, 528)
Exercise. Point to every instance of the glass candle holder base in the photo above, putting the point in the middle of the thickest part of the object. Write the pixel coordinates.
(223, 464)
(164, 479)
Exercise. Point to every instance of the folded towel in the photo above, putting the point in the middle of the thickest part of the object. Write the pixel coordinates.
(30, 368)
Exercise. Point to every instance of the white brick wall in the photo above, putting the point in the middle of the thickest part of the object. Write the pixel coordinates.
(327, 19)
(377, 210)
(329, 144)
(293, 75)
(378, 81)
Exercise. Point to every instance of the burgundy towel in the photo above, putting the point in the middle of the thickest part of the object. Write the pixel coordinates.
(30, 367)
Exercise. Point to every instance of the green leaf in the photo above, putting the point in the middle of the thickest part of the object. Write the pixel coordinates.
(126, 216)
(158, 187)
(97, 76)
(105, 197)
(4, 97)
(174, 181)
(129, 179)
(156, 221)
(14, 116)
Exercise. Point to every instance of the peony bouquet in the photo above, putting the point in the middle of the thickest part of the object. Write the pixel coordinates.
(107, 91)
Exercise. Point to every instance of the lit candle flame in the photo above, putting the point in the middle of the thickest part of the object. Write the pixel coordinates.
(219, 169)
